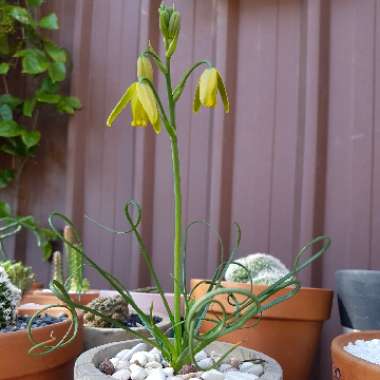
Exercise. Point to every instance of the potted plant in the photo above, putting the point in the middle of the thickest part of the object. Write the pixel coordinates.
(356, 356)
(77, 285)
(98, 331)
(190, 353)
(17, 359)
(296, 322)
(358, 299)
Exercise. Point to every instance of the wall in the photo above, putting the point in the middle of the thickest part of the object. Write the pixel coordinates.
(298, 155)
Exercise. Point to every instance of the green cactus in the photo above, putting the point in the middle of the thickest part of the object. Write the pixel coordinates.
(9, 298)
(259, 268)
(20, 275)
(76, 281)
(112, 307)
(57, 274)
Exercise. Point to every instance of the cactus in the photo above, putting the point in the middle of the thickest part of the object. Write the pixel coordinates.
(260, 268)
(57, 274)
(9, 298)
(76, 281)
(112, 307)
(20, 275)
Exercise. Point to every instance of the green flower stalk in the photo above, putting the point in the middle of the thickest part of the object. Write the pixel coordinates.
(148, 107)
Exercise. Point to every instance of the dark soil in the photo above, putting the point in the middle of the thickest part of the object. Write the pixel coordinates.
(135, 321)
(40, 321)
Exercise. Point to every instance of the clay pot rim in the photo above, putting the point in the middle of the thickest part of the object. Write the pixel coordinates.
(342, 340)
(247, 284)
(164, 321)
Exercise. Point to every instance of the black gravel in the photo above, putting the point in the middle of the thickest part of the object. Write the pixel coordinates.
(40, 321)
(135, 321)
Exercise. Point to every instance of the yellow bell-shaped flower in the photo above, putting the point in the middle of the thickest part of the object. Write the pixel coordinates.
(210, 83)
(143, 107)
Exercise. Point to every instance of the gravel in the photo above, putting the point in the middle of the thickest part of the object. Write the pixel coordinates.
(40, 321)
(368, 350)
(135, 321)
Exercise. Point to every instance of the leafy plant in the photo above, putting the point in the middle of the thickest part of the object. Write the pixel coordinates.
(27, 53)
(11, 225)
(148, 108)
(20, 275)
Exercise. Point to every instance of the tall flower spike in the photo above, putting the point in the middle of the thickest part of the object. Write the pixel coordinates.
(143, 106)
(210, 83)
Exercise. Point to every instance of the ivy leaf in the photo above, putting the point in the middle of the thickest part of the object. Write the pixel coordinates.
(49, 22)
(69, 104)
(57, 71)
(6, 177)
(5, 209)
(9, 128)
(34, 61)
(21, 15)
(9, 100)
(47, 86)
(56, 53)
(34, 3)
(48, 98)
(28, 107)
(4, 68)
(6, 112)
(30, 138)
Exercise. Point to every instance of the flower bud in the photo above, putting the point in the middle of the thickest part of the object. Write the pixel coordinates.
(144, 68)
(164, 19)
(174, 24)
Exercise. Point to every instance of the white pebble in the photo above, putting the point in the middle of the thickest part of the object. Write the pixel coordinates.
(152, 365)
(205, 363)
(138, 373)
(121, 364)
(200, 356)
(236, 375)
(169, 371)
(121, 354)
(255, 369)
(213, 374)
(157, 374)
(368, 350)
(140, 358)
(114, 361)
(123, 374)
(224, 367)
(174, 378)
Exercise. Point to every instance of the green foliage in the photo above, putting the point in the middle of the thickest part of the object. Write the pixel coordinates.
(20, 275)
(26, 52)
(11, 225)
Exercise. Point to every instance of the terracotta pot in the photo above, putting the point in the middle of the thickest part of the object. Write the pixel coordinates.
(289, 332)
(17, 364)
(348, 367)
(46, 297)
(36, 285)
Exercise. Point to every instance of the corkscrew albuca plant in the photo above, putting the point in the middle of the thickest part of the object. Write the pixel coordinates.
(147, 107)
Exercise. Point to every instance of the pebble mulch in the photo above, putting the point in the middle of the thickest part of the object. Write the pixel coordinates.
(22, 322)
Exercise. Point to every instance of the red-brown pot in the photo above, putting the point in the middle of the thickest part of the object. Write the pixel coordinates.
(46, 297)
(348, 367)
(289, 332)
(17, 364)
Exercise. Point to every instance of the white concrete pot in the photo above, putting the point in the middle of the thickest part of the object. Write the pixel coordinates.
(97, 336)
(86, 365)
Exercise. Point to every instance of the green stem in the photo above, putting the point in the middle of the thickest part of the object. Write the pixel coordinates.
(177, 267)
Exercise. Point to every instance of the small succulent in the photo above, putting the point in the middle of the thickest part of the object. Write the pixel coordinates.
(260, 268)
(57, 274)
(20, 275)
(9, 298)
(112, 307)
